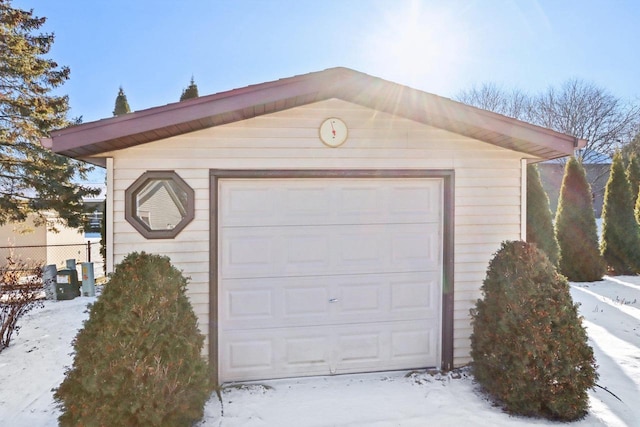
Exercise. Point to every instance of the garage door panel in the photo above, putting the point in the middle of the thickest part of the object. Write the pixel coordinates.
(307, 351)
(306, 301)
(250, 354)
(251, 304)
(422, 296)
(253, 252)
(362, 202)
(283, 352)
(311, 250)
(324, 202)
(358, 248)
(362, 298)
(307, 251)
(360, 347)
(397, 345)
(245, 204)
(418, 249)
(412, 344)
(417, 200)
(304, 204)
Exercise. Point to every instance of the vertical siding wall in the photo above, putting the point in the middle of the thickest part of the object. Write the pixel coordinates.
(487, 185)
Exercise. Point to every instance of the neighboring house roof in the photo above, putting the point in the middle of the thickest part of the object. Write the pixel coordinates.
(91, 139)
(169, 188)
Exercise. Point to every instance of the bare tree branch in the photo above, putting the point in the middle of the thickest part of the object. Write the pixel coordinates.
(578, 108)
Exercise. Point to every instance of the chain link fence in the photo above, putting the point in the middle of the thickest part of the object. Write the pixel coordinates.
(41, 255)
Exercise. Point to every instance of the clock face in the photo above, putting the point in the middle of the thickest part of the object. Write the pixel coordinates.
(333, 132)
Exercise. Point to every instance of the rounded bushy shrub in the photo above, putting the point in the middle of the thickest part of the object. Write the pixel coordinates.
(529, 348)
(138, 357)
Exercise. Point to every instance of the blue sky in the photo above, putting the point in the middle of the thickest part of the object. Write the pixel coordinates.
(152, 48)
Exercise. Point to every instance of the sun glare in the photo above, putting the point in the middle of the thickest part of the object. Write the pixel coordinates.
(417, 45)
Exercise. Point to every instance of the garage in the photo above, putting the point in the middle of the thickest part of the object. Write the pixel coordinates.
(320, 276)
(329, 222)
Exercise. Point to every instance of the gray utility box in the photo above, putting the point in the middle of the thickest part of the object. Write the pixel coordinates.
(88, 281)
(67, 286)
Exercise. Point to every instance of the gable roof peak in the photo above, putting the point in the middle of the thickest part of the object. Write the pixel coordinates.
(90, 139)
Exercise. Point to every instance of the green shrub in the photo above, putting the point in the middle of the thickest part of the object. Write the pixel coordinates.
(633, 175)
(576, 230)
(620, 232)
(539, 223)
(529, 349)
(138, 357)
(636, 210)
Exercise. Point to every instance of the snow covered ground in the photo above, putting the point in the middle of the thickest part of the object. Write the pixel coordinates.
(36, 360)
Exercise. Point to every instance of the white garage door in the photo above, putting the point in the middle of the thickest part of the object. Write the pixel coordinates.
(328, 276)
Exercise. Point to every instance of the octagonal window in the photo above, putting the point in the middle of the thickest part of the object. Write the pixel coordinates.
(159, 204)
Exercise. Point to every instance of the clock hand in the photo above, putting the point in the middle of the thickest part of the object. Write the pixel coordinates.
(333, 130)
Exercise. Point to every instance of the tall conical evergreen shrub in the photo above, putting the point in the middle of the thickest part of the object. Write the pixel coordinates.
(633, 175)
(122, 105)
(637, 208)
(529, 348)
(138, 357)
(620, 244)
(539, 223)
(576, 230)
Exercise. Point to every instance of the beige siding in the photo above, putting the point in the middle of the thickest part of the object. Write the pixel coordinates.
(23, 234)
(487, 184)
(28, 234)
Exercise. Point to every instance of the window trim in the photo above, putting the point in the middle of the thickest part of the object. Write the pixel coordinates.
(130, 211)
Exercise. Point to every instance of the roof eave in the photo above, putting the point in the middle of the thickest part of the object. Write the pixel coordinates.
(88, 140)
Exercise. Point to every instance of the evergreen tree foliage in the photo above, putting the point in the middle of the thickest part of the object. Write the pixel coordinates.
(529, 348)
(637, 207)
(539, 222)
(138, 357)
(576, 230)
(632, 148)
(620, 244)
(190, 92)
(33, 179)
(122, 105)
(633, 175)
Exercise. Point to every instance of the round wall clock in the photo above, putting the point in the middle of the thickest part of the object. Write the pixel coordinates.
(333, 132)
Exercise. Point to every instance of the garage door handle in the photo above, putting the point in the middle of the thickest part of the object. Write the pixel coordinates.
(333, 300)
